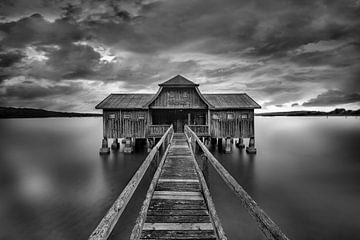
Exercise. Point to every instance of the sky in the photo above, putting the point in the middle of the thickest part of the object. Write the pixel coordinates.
(68, 55)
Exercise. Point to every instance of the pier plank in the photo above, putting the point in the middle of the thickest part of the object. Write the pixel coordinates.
(177, 209)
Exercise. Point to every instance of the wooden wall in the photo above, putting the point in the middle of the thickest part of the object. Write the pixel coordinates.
(183, 98)
(232, 123)
(121, 124)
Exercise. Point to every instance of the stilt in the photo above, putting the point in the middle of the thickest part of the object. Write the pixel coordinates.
(104, 147)
(150, 144)
(115, 144)
(129, 148)
(251, 148)
(220, 143)
(228, 145)
(240, 143)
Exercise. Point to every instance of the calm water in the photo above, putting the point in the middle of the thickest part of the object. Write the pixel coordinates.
(306, 176)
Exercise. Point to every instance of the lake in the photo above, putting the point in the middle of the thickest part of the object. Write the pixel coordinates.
(305, 176)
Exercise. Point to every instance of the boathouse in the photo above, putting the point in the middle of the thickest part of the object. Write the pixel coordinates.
(178, 102)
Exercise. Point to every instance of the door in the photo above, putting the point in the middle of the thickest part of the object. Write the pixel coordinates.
(179, 125)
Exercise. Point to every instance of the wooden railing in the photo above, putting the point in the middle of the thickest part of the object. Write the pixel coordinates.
(107, 224)
(200, 130)
(157, 130)
(266, 225)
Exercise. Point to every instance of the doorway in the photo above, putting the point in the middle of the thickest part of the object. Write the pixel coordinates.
(167, 117)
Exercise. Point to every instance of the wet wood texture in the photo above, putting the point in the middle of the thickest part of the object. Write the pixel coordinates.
(177, 209)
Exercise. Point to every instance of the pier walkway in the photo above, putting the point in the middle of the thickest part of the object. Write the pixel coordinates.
(178, 204)
(178, 208)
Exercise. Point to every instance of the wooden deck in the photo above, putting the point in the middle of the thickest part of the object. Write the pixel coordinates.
(177, 208)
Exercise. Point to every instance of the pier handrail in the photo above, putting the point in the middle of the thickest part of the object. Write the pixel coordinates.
(266, 225)
(108, 222)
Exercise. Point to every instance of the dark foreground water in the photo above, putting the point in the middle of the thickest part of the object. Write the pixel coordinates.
(306, 176)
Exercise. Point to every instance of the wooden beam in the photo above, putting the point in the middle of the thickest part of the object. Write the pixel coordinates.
(178, 226)
(107, 224)
(136, 232)
(211, 206)
(266, 225)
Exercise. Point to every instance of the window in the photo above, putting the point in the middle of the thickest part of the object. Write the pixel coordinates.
(126, 116)
(230, 116)
(244, 115)
(112, 116)
(141, 117)
(185, 94)
(215, 116)
(171, 94)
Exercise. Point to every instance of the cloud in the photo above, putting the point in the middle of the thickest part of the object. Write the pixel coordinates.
(279, 51)
(38, 31)
(333, 97)
(30, 89)
(294, 104)
(7, 59)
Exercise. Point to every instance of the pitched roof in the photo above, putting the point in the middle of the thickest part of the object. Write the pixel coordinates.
(178, 81)
(125, 101)
(139, 101)
(233, 100)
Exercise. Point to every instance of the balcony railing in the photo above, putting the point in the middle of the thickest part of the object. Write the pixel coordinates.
(157, 130)
(200, 130)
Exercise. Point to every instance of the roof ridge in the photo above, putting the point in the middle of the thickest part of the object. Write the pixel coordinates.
(178, 80)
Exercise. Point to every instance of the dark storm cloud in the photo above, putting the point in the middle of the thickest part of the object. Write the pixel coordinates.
(35, 30)
(74, 61)
(333, 97)
(294, 104)
(31, 90)
(7, 59)
(276, 49)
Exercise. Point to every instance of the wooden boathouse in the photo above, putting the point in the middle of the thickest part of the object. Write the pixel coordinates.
(178, 102)
(178, 203)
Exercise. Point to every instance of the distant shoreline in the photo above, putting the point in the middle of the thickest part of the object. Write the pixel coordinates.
(339, 112)
(11, 112)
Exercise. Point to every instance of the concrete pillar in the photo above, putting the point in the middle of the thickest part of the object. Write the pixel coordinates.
(115, 144)
(149, 144)
(220, 143)
(213, 141)
(104, 147)
(240, 143)
(129, 146)
(251, 148)
(228, 145)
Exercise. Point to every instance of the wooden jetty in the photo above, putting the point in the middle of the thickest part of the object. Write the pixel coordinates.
(178, 204)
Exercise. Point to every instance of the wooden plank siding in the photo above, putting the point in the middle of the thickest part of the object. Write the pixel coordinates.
(121, 124)
(232, 123)
(178, 98)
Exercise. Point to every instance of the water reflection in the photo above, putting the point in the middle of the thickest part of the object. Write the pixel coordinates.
(305, 175)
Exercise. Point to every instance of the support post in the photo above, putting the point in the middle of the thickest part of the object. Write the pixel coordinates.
(104, 147)
(128, 146)
(115, 144)
(149, 144)
(251, 148)
(240, 143)
(228, 145)
(220, 143)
